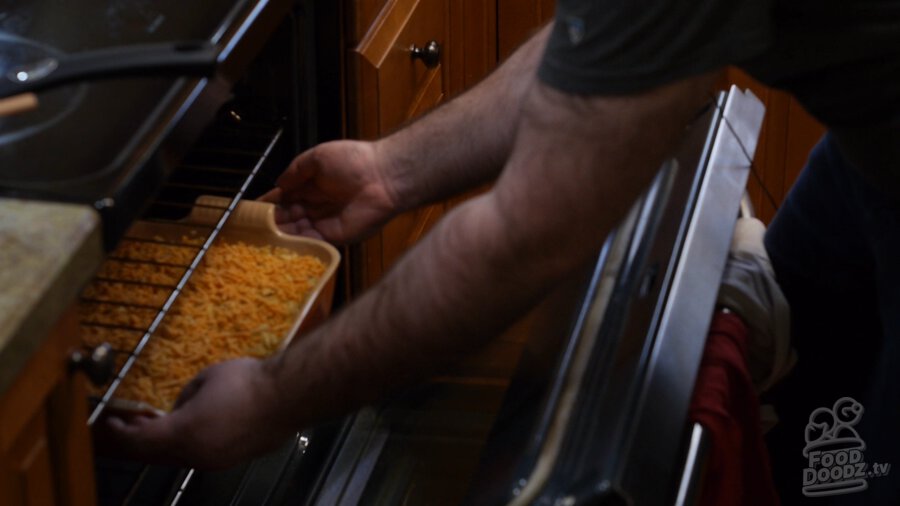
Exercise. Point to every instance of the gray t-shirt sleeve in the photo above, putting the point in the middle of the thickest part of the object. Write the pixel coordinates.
(625, 46)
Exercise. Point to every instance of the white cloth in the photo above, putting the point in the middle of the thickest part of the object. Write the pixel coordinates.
(749, 289)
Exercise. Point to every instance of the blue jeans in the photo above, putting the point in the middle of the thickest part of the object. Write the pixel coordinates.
(835, 247)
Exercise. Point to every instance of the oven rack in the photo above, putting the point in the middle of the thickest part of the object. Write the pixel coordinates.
(224, 163)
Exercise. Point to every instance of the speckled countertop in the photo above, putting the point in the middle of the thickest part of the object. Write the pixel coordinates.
(47, 253)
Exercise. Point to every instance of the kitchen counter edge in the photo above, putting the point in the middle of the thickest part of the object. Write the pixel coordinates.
(48, 252)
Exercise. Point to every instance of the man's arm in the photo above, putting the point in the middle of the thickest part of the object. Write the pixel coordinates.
(465, 142)
(577, 165)
(344, 190)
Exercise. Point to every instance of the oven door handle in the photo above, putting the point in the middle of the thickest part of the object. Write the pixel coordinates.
(188, 58)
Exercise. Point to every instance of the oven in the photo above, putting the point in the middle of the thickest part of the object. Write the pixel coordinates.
(146, 84)
(566, 415)
(158, 110)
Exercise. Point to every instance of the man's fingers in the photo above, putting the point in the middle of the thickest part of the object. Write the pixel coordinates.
(293, 220)
(189, 391)
(149, 439)
(300, 227)
(289, 212)
(274, 196)
(301, 169)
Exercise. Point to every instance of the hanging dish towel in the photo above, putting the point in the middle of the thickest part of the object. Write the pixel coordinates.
(726, 405)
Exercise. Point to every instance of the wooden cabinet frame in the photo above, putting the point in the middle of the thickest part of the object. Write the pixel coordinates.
(45, 445)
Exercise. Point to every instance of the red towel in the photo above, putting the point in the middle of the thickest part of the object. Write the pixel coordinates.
(725, 404)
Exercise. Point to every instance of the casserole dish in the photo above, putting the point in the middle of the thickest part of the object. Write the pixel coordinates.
(250, 225)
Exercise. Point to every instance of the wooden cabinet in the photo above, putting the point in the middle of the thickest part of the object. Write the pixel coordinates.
(388, 86)
(45, 446)
(519, 20)
(392, 87)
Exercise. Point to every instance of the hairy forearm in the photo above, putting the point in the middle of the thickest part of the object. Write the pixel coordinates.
(464, 142)
(568, 181)
(432, 307)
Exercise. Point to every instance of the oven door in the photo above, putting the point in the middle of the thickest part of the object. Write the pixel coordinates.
(112, 137)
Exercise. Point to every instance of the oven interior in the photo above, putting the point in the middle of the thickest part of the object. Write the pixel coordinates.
(286, 100)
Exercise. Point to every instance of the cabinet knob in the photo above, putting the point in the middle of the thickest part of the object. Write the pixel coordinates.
(99, 365)
(430, 54)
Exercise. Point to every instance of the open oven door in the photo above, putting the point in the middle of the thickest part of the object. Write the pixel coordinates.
(597, 409)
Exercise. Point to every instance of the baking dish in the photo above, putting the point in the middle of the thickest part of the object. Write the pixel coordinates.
(252, 223)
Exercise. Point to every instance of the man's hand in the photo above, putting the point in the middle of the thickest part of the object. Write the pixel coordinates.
(336, 191)
(223, 417)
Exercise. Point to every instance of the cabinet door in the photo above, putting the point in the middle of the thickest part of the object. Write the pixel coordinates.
(388, 86)
(519, 20)
(45, 448)
(27, 474)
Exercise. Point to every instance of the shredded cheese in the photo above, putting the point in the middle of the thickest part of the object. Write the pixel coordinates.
(241, 302)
